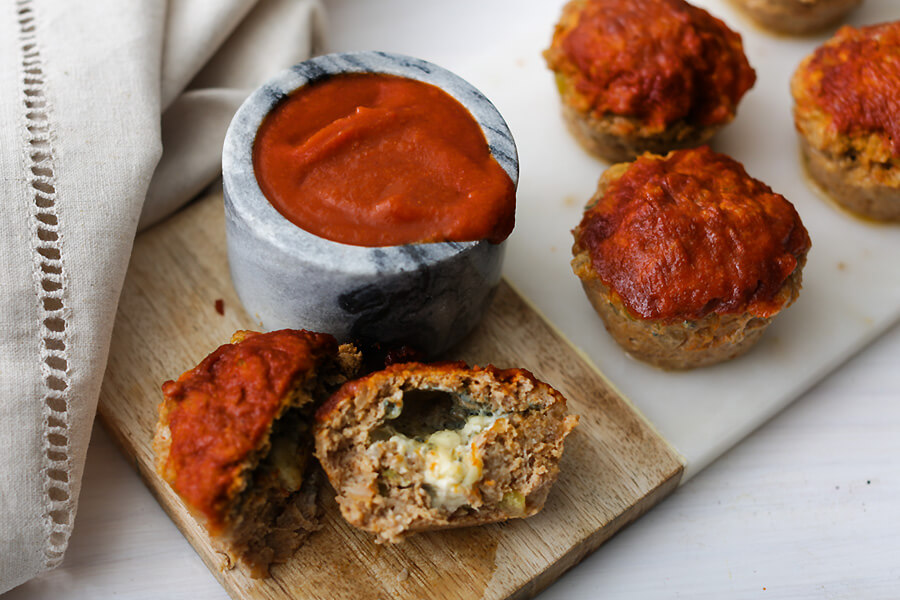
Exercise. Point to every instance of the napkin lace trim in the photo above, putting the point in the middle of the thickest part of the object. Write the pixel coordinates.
(50, 284)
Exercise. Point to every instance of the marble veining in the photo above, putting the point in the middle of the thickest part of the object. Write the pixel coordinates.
(425, 295)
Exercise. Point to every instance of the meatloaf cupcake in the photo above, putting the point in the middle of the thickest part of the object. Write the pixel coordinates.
(234, 439)
(418, 447)
(645, 75)
(687, 258)
(797, 16)
(847, 112)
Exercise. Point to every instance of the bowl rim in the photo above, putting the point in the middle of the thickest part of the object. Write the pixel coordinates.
(244, 196)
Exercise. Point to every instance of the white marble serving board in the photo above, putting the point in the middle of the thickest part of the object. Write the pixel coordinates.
(851, 283)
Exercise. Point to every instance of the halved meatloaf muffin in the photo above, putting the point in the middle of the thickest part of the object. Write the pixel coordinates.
(797, 16)
(234, 439)
(645, 75)
(847, 112)
(418, 447)
(687, 258)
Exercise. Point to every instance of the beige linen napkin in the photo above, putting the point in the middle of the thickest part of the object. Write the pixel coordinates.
(93, 93)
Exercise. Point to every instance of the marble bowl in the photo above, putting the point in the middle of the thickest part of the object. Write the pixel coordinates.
(428, 296)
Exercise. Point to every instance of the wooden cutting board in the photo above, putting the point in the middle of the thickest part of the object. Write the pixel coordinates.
(616, 466)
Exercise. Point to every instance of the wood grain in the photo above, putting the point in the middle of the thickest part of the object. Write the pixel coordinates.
(615, 467)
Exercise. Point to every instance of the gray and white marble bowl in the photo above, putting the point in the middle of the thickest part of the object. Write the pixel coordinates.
(428, 296)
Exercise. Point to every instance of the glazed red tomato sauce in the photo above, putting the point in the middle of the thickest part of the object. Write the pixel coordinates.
(685, 236)
(658, 60)
(224, 407)
(378, 160)
(857, 81)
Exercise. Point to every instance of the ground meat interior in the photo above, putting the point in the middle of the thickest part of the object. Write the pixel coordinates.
(277, 511)
(420, 447)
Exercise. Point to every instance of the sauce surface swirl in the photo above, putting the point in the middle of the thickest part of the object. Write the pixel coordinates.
(379, 160)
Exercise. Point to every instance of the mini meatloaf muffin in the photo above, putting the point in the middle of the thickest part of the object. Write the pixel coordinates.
(418, 447)
(797, 16)
(847, 112)
(234, 439)
(645, 75)
(687, 258)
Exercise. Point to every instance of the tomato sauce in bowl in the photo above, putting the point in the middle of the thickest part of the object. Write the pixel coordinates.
(371, 159)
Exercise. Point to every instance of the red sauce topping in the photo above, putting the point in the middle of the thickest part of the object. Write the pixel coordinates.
(659, 61)
(221, 410)
(379, 160)
(857, 81)
(690, 234)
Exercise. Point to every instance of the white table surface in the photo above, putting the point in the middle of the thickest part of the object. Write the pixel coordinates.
(806, 507)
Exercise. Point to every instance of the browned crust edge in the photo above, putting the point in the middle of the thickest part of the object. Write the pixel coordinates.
(685, 344)
(617, 138)
(796, 16)
(839, 178)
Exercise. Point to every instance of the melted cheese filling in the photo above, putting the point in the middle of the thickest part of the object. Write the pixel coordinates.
(289, 461)
(452, 466)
